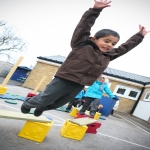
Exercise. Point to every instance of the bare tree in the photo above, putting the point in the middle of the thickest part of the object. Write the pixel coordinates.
(10, 43)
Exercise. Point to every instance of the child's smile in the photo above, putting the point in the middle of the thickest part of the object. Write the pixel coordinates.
(106, 43)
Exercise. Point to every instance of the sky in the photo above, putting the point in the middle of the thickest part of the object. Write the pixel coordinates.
(48, 25)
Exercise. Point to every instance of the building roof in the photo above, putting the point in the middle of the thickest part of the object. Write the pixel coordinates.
(126, 76)
(57, 59)
(24, 67)
(108, 71)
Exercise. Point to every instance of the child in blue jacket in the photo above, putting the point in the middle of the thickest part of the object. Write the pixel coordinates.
(94, 94)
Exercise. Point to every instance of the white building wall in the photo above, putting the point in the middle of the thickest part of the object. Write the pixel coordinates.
(142, 110)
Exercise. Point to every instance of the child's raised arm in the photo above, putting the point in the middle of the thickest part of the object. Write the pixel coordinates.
(131, 43)
(82, 31)
(143, 30)
(101, 4)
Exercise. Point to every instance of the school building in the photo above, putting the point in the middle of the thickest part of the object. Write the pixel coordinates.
(133, 90)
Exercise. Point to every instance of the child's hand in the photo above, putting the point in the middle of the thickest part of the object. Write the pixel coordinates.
(143, 30)
(101, 4)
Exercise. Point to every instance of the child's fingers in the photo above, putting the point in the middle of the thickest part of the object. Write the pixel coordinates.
(141, 27)
(101, 1)
(108, 2)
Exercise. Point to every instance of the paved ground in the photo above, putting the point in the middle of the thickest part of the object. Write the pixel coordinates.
(10, 82)
(118, 132)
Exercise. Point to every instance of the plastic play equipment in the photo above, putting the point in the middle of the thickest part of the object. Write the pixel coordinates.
(35, 128)
(76, 128)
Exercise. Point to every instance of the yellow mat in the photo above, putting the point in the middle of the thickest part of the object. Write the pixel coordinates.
(83, 121)
(21, 116)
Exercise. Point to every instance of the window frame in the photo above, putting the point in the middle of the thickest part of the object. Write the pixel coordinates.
(147, 100)
(127, 91)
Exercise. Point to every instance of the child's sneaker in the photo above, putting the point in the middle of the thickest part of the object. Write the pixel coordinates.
(37, 112)
(24, 109)
(82, 113)
(92, 113)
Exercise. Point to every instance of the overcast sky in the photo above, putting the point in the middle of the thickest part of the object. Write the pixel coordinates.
(47, 26)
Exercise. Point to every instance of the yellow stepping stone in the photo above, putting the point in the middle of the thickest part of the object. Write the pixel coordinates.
(35, 128)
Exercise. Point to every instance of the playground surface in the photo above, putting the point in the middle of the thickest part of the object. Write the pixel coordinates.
(117, 132)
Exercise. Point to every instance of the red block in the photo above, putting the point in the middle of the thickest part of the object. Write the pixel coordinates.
(30, 95)
(82, 116)
(91, 127)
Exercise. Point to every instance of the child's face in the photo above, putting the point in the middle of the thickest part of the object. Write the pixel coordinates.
(101, 79)
(106, 43)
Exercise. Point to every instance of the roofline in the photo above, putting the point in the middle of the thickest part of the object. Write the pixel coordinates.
(48, 62)
(105, 73)
(51, 60)
(147, 85)
(25, 68)
(123, 81)
(143, 83)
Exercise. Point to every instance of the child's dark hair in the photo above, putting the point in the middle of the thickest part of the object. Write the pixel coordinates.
(106, 32)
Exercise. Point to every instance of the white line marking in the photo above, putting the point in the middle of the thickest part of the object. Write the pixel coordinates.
(9, 106)
(133, 124)
(44, 113)
(123, 140)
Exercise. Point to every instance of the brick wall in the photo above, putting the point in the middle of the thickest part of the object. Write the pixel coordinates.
(40, 70)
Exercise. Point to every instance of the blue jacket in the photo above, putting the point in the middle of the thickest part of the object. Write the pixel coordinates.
(96, 90)
(80, 95)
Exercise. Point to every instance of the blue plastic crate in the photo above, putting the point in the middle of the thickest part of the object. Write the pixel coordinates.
(108, 105)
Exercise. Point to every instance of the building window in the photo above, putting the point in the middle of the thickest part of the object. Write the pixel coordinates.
(133, 94)
(147, 97)
(127, 92)
(121, 91)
